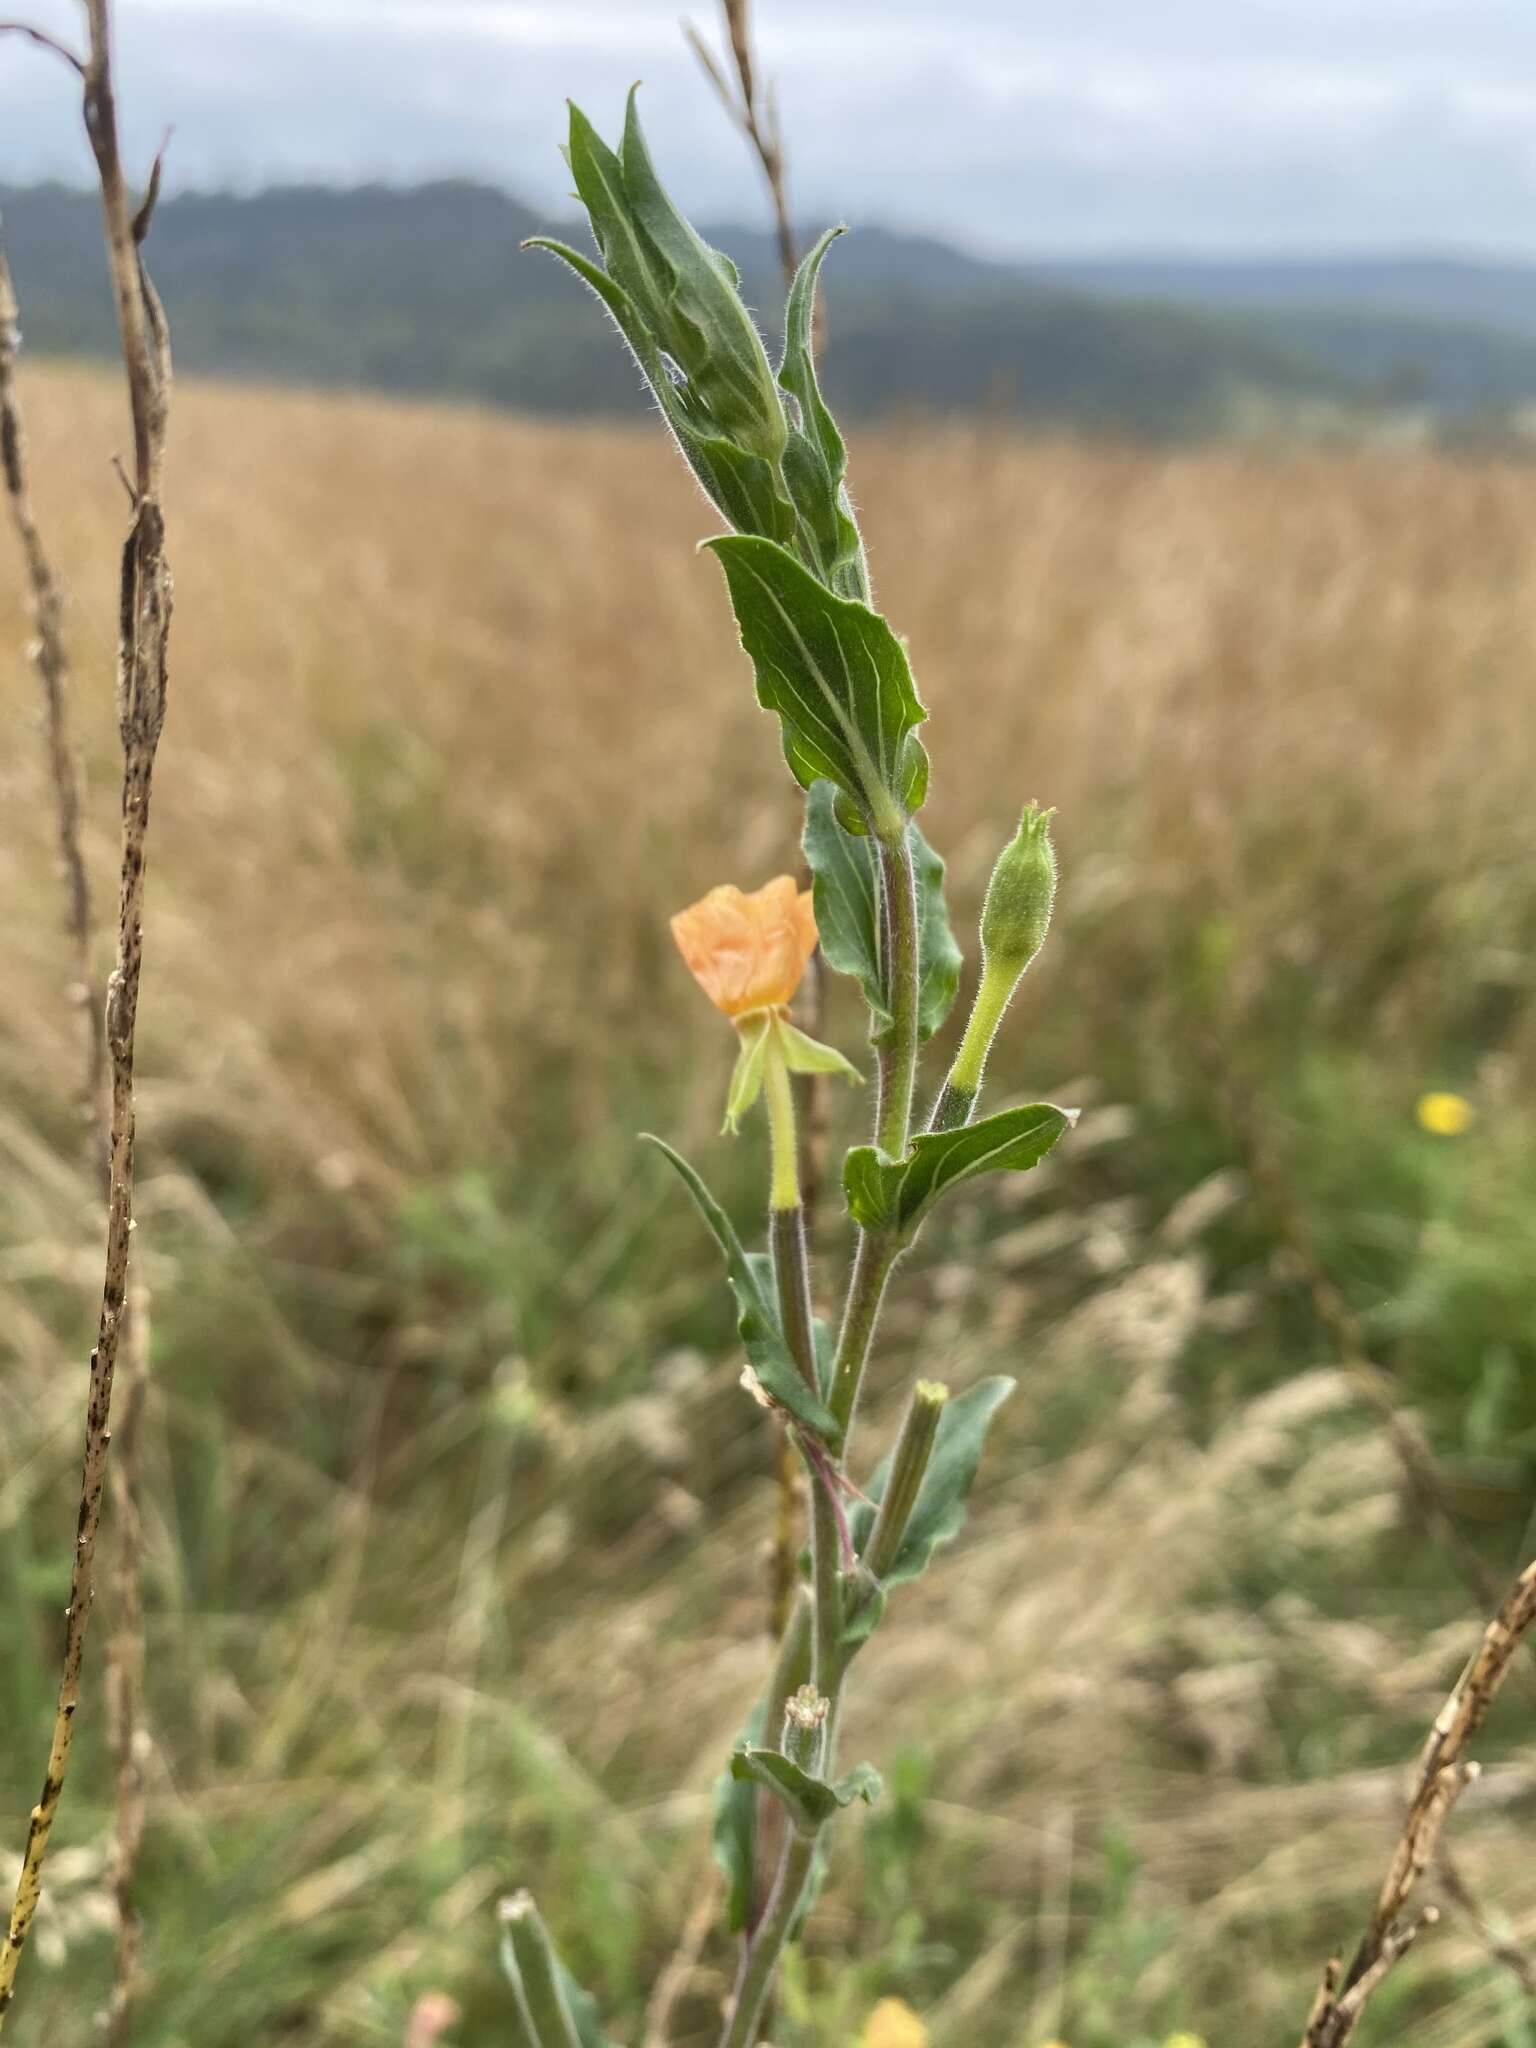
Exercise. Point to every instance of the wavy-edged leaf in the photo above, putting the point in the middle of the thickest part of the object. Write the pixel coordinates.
(846, 890)
(885, 1193)
(751, 1283)
(809, 1800)
(833, 672)
(939, 1513)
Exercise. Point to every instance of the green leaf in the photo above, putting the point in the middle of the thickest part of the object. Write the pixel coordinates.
(705, 326)
(805, 1055)
(846, 889)
(939, 958)
(691, 316)
(835, 674)
(752, 1285)
(734, 1835)
(815, 461)
(584, 2010)
(634, 265)
(810, 1801)
(885, 1193)
(940, 1511)
(747, 1074)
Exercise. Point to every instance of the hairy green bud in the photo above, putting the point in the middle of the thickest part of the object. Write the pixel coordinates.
(909, 1466)
(804, 1739)
(1017, 913)
(1014, 921)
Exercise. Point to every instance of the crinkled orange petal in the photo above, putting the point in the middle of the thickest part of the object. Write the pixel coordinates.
(748, 952)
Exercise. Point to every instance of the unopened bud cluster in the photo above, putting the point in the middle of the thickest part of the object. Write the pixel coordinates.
(804, 1739)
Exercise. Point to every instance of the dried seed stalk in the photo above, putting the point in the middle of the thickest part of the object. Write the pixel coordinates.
(144, 627)
(1444, 1772)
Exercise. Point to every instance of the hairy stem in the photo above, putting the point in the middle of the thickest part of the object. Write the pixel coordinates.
(761, 1958)
(898, 1067)
(873, 1263)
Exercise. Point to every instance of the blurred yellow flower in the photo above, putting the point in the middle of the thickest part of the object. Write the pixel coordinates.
(748, 952)
(1184, 2041)
(1444, 1116)
(893, 2024)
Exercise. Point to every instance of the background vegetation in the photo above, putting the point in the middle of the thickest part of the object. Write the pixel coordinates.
(445, 1395)
(420, 290)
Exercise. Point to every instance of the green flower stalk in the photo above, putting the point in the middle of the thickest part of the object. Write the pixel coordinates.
(534, 1972)
(1014, 921)
(838, 680)
(909, 1468)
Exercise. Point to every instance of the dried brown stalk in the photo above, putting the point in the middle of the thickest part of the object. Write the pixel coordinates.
(127, 1735)
(754, 110)
(1444, 1773)
(144, 627)
(125, 1650)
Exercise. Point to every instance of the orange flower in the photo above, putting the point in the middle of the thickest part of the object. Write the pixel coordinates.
(748, 952)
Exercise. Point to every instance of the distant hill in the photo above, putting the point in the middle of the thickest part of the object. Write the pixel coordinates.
(1442, 290)
(424, 290)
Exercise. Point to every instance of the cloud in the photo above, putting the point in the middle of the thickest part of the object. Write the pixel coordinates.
(1069, 124)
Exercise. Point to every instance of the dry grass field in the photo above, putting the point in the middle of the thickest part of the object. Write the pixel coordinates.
(455, 1511)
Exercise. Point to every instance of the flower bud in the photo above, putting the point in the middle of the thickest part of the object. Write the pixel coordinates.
(804, 1739)
(1017, 912)
(909, 1466)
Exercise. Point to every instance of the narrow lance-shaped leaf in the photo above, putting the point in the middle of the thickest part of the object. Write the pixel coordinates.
(836, 676)
(887, 1193)
(741, 485)
(734, 1835)
(815, 461)
(766, 1350)
(846, 888)
(939, 1514)
(709, 330)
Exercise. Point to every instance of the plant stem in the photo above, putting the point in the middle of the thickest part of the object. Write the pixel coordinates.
(761, 1958)
(873, 1262)
(826, 1579)
(994, 992)
(874, 1259)
(784, 1190)
(792, 1277)
(898, 1069)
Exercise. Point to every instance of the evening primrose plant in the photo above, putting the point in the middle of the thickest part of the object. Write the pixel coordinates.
(768, 455)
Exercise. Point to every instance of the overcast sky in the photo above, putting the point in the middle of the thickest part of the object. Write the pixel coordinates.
(1008, 124)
